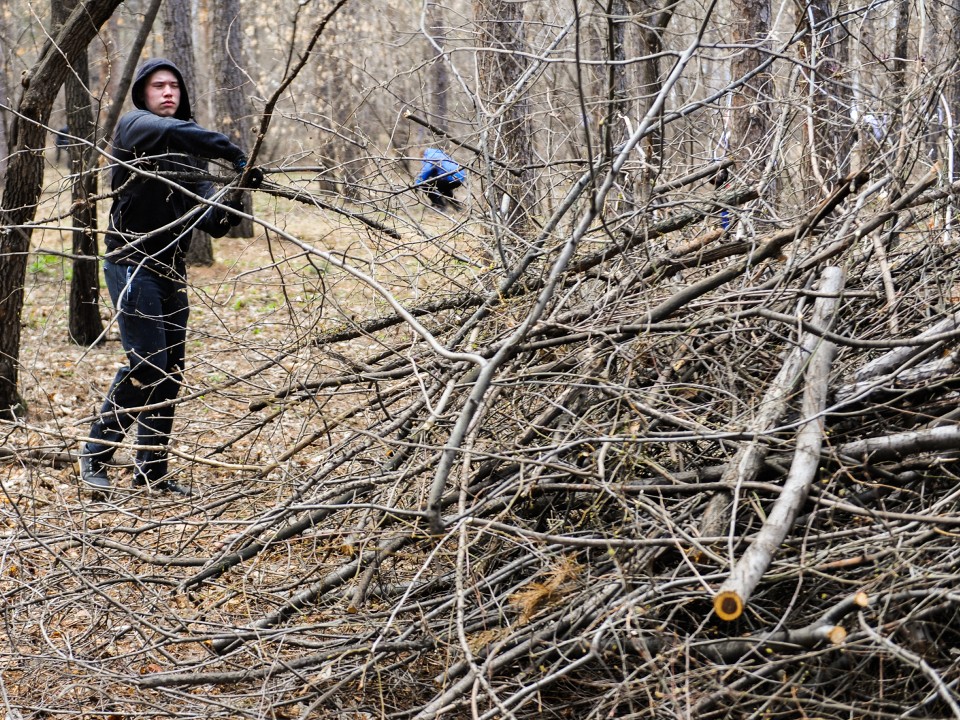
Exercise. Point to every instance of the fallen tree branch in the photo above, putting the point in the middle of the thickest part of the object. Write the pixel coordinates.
(734, 593)
(306, 198)
(668, 225)
(892, 447)
(750, 455)
(307, 596)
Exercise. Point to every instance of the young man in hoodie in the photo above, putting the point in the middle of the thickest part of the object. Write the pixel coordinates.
(159, 152)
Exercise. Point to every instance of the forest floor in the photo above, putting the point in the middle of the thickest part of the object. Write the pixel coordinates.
(253, 313)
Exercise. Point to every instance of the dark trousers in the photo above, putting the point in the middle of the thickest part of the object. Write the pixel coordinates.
(152, 314)
(439, 191)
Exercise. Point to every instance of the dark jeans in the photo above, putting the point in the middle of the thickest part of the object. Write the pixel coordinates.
(152, 314)
(438, 190)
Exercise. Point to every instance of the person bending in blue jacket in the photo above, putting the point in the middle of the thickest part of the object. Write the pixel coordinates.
(159, 153)
(439, 176)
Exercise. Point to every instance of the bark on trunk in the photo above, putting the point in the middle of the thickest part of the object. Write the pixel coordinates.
(651, 30)
(750, 120)
(21, 191)
(178, 46)
(233, 107)
(508, 130)
(439, 75)
(830, 141)
(84, 323)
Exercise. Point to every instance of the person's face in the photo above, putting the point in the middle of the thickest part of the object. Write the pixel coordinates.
(162, 93)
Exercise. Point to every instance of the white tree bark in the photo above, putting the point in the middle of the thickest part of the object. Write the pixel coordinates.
(887, 447)
(894, 359)
(912, 377)
(739, 585)
(751, 454)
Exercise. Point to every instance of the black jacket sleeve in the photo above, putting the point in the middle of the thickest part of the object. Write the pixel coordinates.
(149, 134)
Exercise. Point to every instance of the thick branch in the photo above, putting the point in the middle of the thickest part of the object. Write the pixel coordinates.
(736, 590)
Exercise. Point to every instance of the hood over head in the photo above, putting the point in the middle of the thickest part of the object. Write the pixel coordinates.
(148, 68)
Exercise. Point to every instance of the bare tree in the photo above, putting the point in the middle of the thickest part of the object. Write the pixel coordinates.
(750, 104)
(951, 97)
(341, 83)
(506, 132)
(654, 19)
(439, 77)
(4, 74)
(85, 325)
(231, 98)
(24, 175)
(178, 25)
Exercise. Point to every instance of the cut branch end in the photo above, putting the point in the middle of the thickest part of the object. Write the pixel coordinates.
(836, 635)
(728, 605)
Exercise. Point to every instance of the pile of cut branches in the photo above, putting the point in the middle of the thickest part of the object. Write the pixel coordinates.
(659, 467)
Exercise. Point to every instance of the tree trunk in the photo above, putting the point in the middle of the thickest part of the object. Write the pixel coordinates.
(750, 122)
(4, 90)
(439, 75)
(178, 47)
(507, 126)
(750, 456)
(232, 106)
(616, 89)
(952, 17)
(341, 152)
(84, 323)
(21, 191)
(900, 51)
(655, 20)
(830, 140)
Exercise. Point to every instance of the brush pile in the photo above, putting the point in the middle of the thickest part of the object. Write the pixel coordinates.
(667, 463)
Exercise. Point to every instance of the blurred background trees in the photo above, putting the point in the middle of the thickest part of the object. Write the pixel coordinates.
(513, 74)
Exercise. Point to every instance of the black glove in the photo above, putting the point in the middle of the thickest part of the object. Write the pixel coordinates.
(254, 174)
(232, 217)
(254, 178)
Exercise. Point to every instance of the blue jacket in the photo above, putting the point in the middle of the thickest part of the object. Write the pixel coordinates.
(437, 165)
(143, 205)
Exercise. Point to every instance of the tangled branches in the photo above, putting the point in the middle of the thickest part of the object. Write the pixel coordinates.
(569, 565)
(678, 448)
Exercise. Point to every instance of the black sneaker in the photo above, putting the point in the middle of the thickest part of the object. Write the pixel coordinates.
(171, 486)
(93, 473)
(140, 479)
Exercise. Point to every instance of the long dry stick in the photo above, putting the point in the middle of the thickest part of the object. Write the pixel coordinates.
(750, 456)
(734, 593)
